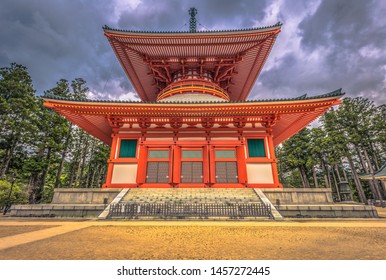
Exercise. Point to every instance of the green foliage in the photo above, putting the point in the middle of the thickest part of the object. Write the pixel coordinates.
(40, 146)
(16, 195)
(345, 135)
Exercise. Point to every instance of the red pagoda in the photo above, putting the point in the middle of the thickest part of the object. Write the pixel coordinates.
(194, 127)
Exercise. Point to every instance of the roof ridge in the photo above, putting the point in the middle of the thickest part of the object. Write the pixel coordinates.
(106, 27)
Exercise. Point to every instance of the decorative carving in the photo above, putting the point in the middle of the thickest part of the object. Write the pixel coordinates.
(207, 122)
(175, 122)
(144, 122)
(239, 122)
(115, 121)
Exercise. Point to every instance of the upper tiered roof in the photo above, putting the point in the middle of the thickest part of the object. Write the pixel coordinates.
(234, 58)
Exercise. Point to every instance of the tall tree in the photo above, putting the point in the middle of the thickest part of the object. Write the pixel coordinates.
(18, 109)
(296, 152)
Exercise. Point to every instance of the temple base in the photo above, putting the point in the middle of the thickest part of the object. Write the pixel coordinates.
(290, 203)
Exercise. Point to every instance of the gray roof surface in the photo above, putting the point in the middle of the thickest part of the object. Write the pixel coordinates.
(334, 93)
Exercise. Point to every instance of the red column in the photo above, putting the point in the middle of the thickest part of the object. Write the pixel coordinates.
(110, 163)
(242, 164)
(275, 173)
(142, 162)
(176, 165)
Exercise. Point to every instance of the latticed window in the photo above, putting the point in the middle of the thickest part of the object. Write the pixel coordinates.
(226, 172)
(192, 166)
(157, 170)
(226, 166)
(191, 172)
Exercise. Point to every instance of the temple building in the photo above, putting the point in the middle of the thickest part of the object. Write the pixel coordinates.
(194, 127)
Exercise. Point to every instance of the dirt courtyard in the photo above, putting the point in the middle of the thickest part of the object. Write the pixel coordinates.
(195, 240)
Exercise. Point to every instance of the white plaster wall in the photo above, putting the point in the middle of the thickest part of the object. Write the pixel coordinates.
(259, 173)
(191, 138)
(159, 138)
(124, 173)
(224, 138)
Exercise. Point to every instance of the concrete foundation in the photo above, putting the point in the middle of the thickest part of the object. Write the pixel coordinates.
(299, 196)
(84, 196)
(315, 203)
(294, 203)
(87, 203)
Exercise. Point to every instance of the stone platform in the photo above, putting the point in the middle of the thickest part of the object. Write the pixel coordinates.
(69, 203)
(294, 203)
(315, 203)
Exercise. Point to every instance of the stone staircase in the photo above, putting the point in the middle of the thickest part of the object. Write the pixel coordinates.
(192, 204)
(191, 196)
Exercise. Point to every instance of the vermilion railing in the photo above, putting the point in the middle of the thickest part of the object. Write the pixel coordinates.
(196, 86)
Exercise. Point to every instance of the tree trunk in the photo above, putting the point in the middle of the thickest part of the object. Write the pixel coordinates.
(315, 177)
(337, 172)
(361, 159)
(34, 194)
(366, 167)
(7, 159)
(63, 157)
(375, 182)
(336, 184)
(325, 172)
(45, 171)
(358, 185)
(72, 174)
(104, 175)
(93, 176)
(93, 143)
(84, 154)
(97, 176)
(77, 172)
(374, 154)
(329, 177)
(303, 175)
(78, 168)
(383, 185)
(344, 172)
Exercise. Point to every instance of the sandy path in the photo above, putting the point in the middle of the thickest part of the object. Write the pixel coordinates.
(13, 230)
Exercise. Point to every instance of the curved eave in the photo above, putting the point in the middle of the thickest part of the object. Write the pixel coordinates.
(291, 115)
(124, 106)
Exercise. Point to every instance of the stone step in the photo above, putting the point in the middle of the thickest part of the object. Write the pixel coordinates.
(188, 196)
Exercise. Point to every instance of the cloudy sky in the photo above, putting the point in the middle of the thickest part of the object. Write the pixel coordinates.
(324, 44)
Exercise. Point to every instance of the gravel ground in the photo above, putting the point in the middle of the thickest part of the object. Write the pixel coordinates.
(314, 240)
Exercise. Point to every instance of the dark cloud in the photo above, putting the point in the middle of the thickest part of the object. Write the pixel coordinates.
(341, 45)
(57, 39)
(352, 40)
(324, 45)
(172, 15)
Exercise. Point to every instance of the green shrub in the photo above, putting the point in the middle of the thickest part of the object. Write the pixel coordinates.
(17, 195)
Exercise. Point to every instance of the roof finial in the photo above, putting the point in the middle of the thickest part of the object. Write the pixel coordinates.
(193, 21)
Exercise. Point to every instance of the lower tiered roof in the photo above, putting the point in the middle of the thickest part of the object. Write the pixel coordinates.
(284, 117)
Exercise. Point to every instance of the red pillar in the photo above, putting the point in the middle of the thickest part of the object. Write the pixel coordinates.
(110, 160)
(275, 173)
